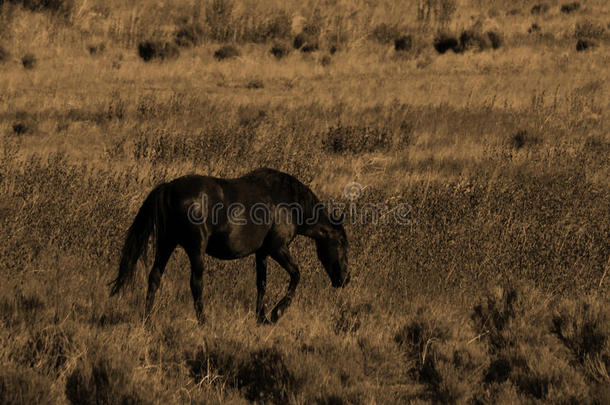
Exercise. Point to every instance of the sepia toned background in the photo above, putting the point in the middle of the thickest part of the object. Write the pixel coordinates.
(489, 119)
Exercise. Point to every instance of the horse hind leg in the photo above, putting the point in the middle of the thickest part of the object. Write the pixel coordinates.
(261, 283)
(163, 252)
(195, 255)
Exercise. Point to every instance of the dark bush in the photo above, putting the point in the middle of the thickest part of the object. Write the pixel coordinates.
(226, 52)
(309, 48)
(266, 377)
(539, 8)
(385, 34)
(61, 8)
(534, 29)
(279, 50)
(162, 50)
(4, 54)
(403, 43)
(473, 40)
(278, 27)
(444, 42)
(570, 7)
(312, 29)
(96, 49)
(522, 138)
(23, 387)
(325, 60)
(333, 49)
(495, 38)
(255, 84)
(588, 29)
(299, 40)
(584, 44)
(28, 61)
(262, 375)
(305, 42)
(20, 128)
(99, 381)
(582, 327)
(48, 348)
(189, 35)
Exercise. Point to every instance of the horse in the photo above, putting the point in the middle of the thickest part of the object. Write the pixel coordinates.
(259, 213)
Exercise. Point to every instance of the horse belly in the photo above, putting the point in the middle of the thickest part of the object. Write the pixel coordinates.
(238, 242)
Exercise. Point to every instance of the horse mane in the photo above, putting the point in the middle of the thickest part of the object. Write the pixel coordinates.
(286, 185)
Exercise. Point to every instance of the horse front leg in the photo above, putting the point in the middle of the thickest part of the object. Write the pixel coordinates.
(282, 256)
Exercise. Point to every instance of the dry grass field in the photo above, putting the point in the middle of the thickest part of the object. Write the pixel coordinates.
(494, 287)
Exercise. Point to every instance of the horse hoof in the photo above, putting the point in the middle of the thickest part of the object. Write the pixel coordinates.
(263, 321)
(275, 315)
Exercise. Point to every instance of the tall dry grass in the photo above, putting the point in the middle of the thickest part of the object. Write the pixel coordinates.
(495, 288)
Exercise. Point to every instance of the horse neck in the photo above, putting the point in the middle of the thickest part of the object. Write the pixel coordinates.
(313, 231)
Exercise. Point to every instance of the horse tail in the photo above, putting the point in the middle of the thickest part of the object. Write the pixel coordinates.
(149, 222)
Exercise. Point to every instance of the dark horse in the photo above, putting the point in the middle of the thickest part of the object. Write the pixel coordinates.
(258, 213)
